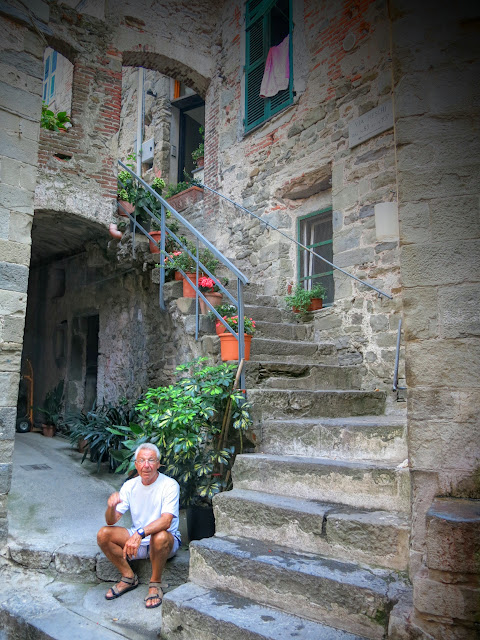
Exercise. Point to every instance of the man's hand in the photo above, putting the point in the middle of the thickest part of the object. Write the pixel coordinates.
(131, 546)
(112, 516)
(113, 500)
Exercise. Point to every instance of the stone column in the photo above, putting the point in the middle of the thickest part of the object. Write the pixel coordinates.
(20, 108)
(436, 61)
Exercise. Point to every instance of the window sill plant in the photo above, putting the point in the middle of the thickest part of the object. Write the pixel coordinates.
(54, 121)
(302, 300)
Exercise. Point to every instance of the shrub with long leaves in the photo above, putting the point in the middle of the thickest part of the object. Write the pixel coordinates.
(99, 427)
(198, 424)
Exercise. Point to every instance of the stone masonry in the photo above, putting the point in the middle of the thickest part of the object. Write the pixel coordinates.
(424, 58)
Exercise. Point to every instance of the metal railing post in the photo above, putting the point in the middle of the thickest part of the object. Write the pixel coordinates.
(161, 299)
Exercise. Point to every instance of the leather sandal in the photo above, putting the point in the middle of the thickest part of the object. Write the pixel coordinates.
(132, 582)
(158, 587)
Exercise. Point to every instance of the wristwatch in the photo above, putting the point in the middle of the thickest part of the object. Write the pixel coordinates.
(141, 532)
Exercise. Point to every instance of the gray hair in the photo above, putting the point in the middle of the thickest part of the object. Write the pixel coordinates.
(150, 447)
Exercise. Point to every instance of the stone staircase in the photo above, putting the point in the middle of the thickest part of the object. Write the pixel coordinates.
(313, 539)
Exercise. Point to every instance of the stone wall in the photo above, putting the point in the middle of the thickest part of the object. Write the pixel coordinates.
(437, 112)
(20, 107)
(157, 120)
(300, 162)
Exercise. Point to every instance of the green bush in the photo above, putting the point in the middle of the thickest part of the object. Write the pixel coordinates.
(198, 424)
(95, 427)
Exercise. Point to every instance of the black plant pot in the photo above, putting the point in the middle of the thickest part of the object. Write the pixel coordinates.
(200, 522)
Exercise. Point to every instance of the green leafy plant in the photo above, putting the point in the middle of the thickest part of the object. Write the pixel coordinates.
(198, 424)
(52, 406)
(248, 324)
(224, 310)
(200, 150)
(95, 427)
(173, 189)
(127, 189)
(301, 298)
(184, 260)
(54, 121)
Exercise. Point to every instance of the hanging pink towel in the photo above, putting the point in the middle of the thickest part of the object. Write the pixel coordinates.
(277, 70)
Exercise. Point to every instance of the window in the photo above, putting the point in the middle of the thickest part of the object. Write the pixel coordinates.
(315, 231)
(49, 75)
(268, 22)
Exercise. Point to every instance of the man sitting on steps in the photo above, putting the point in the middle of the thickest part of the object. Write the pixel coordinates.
(153, 502)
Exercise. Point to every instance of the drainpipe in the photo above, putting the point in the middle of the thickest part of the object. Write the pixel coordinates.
(140, 117)
(114, 232)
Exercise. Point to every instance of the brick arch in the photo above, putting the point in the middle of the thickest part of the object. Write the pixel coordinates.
(168, 66)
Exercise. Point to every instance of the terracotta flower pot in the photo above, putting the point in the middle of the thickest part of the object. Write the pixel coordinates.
(127, 206)
(48, 430)
(188, 290)
(215, 298)
(315, 305)
(178, 275)
(156, 235)
(219, 328)
(229, 346)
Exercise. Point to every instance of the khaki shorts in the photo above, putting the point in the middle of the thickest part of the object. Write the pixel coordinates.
(144, 549)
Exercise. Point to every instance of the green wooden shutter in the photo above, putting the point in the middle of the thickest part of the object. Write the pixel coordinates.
(258, 109)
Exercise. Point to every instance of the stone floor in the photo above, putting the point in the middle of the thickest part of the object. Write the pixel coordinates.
(52, 574)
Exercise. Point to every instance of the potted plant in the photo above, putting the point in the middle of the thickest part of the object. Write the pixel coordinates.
(90, 431)
(52, 410)
(199, 424)
(211, 291)
(183, 194)
(222, 310)
(198, 154)
(54, 121)
(185, 261)
(302, 300)
(157, 234)
(229, 343)
(126, 193)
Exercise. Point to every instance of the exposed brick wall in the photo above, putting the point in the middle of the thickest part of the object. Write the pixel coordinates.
(84, 150)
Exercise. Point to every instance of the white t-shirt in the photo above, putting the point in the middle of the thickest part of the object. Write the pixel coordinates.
(148, 502)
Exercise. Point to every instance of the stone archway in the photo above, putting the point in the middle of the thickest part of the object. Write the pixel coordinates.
(77, 174)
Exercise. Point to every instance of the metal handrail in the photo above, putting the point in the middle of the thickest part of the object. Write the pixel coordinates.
(395, 386)
(241, 278)
(269, 224)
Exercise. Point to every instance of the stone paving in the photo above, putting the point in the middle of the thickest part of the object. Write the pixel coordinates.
(52, 574)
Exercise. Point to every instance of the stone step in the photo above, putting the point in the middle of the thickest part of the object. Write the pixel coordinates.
(352, 438)
(268, 349)
(364, 485)
(340, 594)
(280, 375)
(268, 314)
(192, 612)
(378, 538)
(283, 330)
(86, 562)
(299, 403)
(37, 606)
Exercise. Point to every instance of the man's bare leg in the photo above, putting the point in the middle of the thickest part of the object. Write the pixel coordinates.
(161, 545)
(111, 541)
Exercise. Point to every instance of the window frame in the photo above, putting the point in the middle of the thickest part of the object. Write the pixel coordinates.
(263, 12)
(300, 251)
